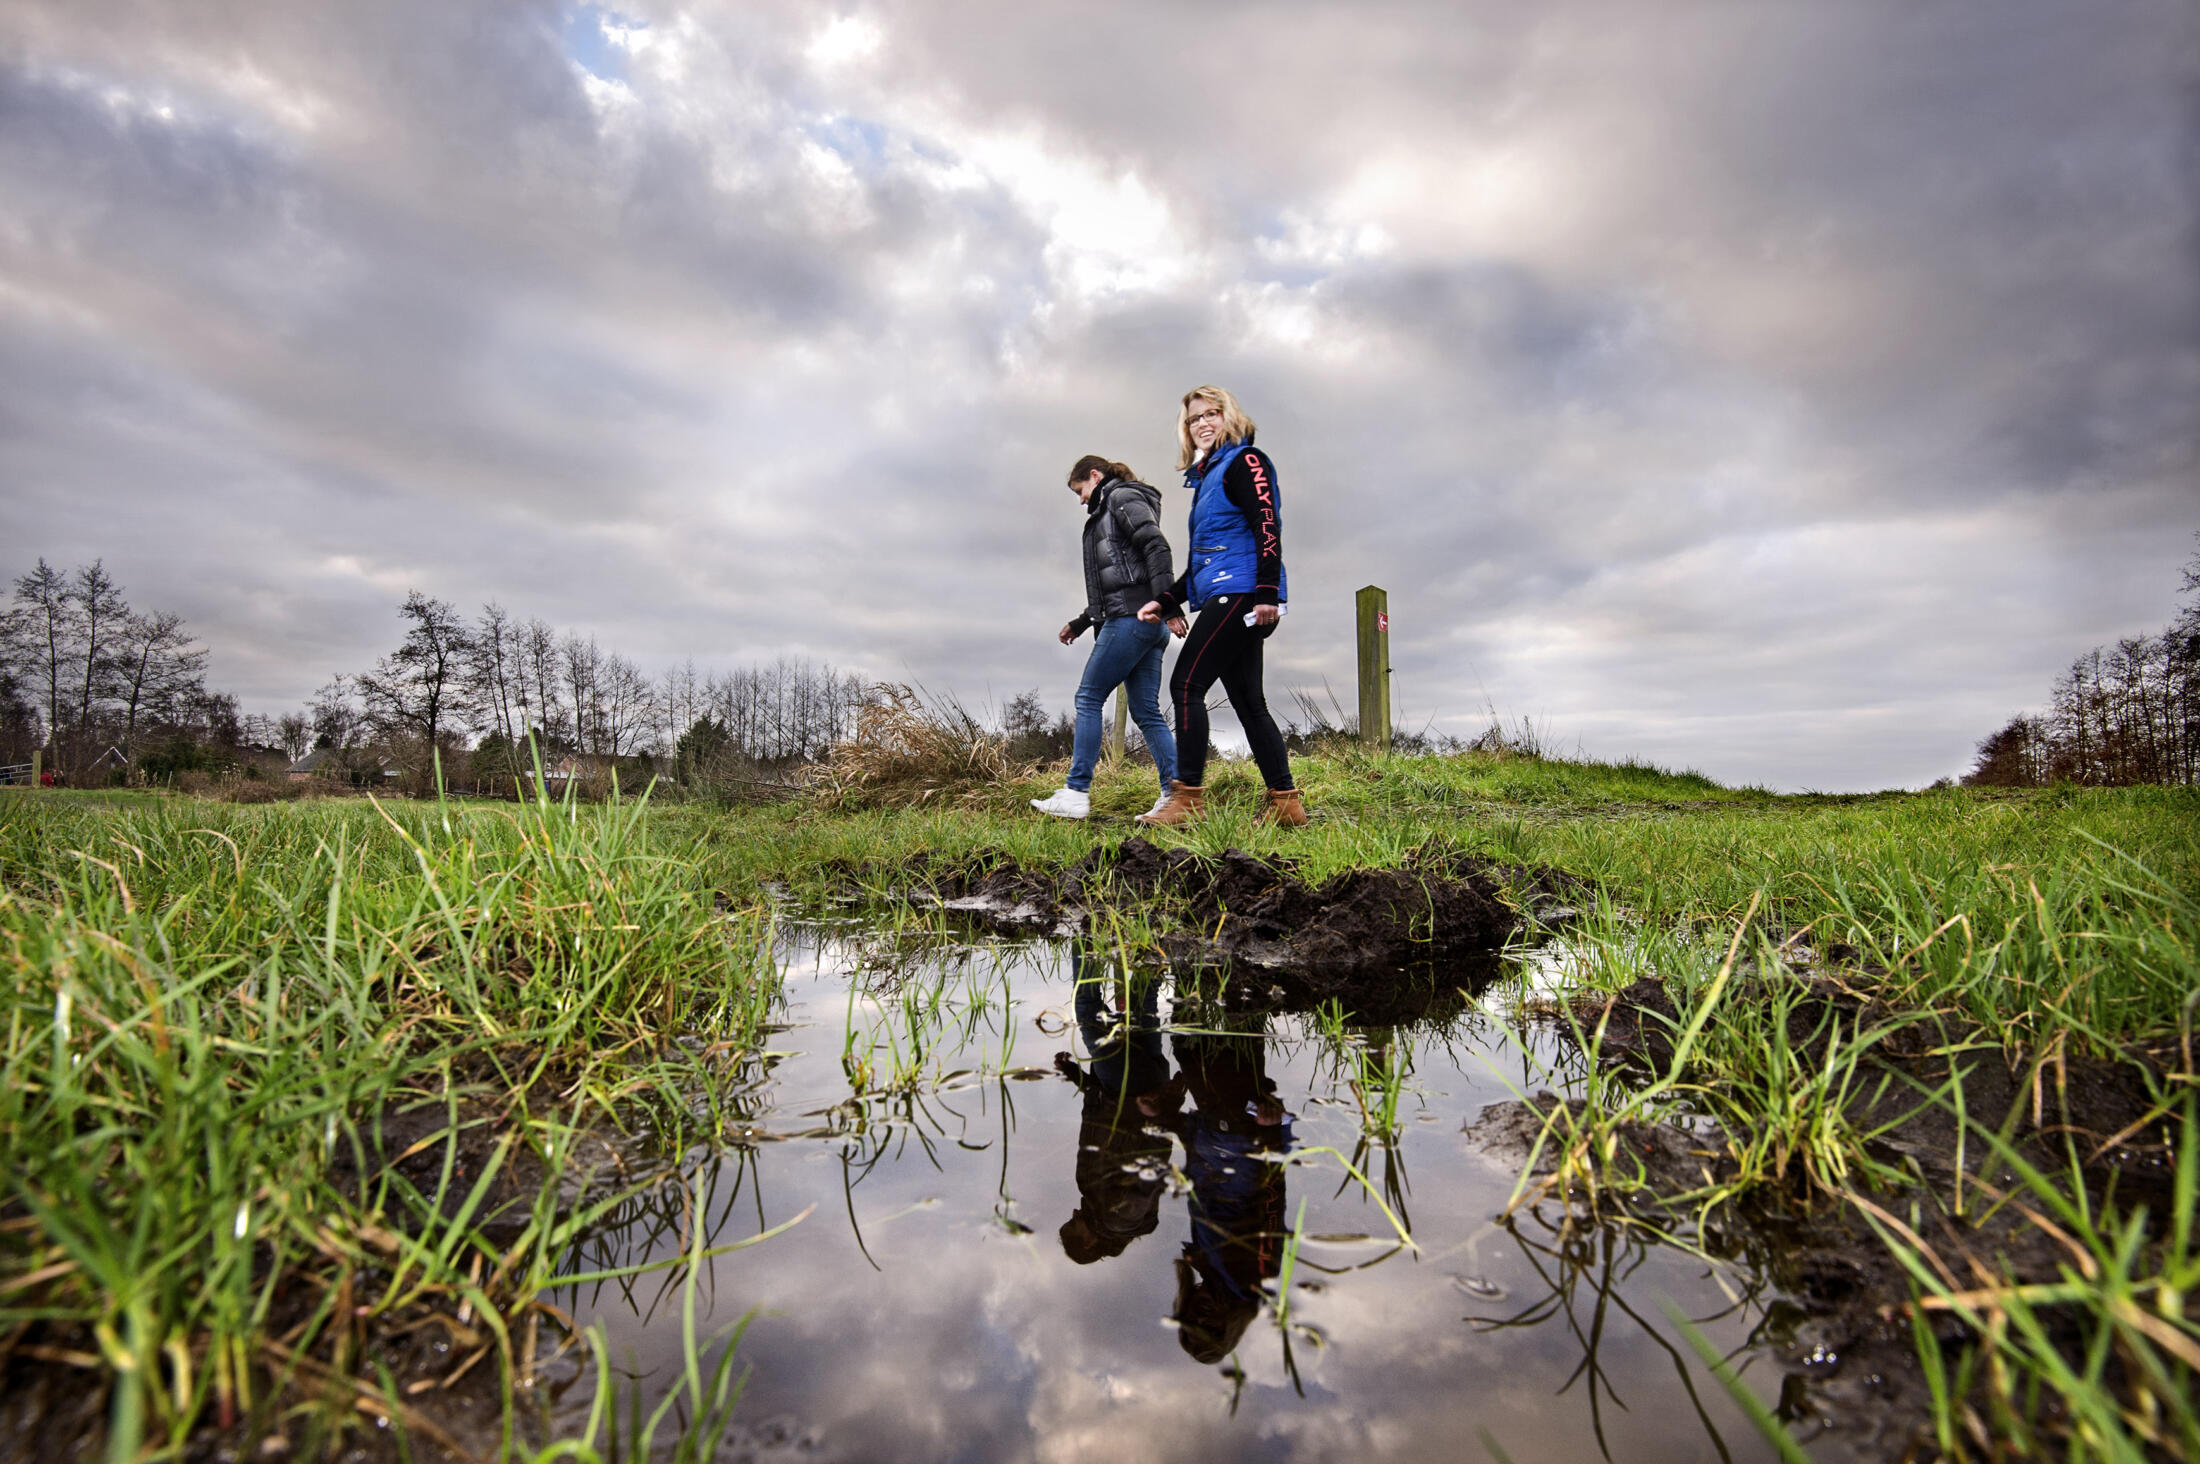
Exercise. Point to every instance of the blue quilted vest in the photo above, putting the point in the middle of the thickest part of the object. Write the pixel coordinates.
(1224, 556)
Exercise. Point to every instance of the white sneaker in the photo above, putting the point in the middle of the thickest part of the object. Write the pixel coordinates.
(1158, 804)
(1068, 803)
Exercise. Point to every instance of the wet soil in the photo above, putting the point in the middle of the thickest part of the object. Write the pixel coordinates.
(413, 1142)
(55, 1404)
(1386, 944)
(54, 1407)
(2047, 1109)
(1847, 1333)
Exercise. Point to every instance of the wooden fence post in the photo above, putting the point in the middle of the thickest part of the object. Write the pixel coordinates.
(38, 760)
(1374, 608)
(1119, 738)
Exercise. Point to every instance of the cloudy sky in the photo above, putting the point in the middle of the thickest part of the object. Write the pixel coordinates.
(1782, 390)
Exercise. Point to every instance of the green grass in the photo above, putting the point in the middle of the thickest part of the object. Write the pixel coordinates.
(2036, 914)
(205, 1007)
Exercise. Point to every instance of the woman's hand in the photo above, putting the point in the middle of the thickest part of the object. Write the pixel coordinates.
(1179, 627)
(1068, 633)
(1150, 612)
(1266, 615)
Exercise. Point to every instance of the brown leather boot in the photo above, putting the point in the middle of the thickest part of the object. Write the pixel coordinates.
(1187, 801)
(1285, 809)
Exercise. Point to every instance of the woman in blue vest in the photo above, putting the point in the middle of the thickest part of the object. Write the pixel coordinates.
(1234, 581)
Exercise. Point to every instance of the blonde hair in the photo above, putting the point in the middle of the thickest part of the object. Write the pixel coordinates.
(1236, 426)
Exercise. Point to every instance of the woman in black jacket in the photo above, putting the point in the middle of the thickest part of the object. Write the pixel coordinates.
(1126, 565)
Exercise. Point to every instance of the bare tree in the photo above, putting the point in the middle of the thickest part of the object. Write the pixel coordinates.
(420, 688)
(542, 711)
(679, 703)
(786, 711)
(624, 709)
(294, 734)
(2015, 757)
(339, 721)
(1024, 715)
(42, 628)
(156, 671)
(101, 613)
(105, 674)
(495, 675)
(212, 716)
(497, 656)
(578, 662)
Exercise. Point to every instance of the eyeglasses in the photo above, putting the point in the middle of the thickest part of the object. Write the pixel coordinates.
(1212, 414)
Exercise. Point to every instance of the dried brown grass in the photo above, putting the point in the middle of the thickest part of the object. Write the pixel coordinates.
(909, 749)
(233, 787)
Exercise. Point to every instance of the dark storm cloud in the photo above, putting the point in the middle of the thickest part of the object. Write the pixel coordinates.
(1784, 390)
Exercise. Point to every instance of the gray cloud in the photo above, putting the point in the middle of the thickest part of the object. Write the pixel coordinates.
(1784, 392)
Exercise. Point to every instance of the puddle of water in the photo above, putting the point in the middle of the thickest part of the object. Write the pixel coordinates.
(1159, 1251)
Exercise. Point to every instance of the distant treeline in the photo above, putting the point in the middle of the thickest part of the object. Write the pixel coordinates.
(108, 694)
(2123, 714)
(88, 680)
(494, 694)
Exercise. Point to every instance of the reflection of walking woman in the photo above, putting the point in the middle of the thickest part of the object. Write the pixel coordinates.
(1234, 579)
(1121, 1158)
(1237, 1203)
(1126, 566)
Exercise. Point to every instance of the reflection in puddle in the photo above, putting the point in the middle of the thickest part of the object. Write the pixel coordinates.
(1063, 1211)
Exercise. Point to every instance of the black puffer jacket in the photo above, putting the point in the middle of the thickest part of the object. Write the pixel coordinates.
(1126, 554)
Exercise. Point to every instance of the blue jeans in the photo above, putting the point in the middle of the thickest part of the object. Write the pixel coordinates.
(1126, 653)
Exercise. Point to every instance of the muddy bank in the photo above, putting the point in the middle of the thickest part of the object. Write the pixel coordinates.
(1839, 1331)
(2092, 1107)
(461, 1153)
(1382, 941)
(1845, 1333)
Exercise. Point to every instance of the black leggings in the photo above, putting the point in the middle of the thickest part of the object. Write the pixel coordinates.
(1222, 647)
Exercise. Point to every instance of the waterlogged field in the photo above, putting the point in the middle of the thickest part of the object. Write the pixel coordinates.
(1850, 1126)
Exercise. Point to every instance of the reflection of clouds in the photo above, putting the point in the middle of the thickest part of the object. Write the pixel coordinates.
(973, 1343)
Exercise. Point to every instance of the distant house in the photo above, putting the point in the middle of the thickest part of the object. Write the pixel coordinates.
(559, 772)
(269, 760)
(109, 762)
(319, 763)
(329, 762)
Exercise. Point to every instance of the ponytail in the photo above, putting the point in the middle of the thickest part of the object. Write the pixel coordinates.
(1110, 469)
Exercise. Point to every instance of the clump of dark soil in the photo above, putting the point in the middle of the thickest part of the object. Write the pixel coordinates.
(54, 1402)
(2092, 1105)
(1845, 1329)
(414, 1142)
(1369, 938)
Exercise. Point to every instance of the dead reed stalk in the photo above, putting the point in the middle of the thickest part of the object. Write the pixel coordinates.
(909, 749)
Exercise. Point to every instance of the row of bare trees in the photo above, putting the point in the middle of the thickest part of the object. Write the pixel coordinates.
(524, 688)
(81, 673)
(2122, 714)
(790, 711)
